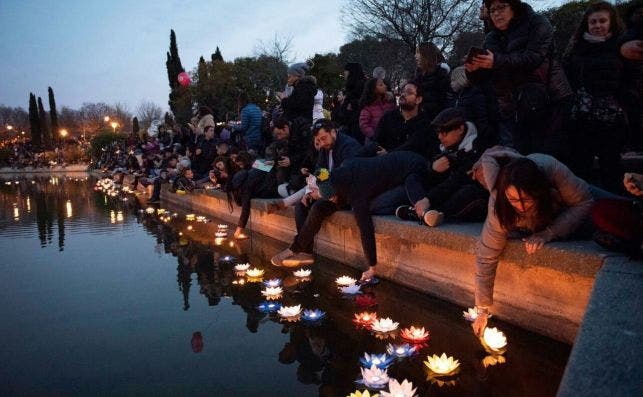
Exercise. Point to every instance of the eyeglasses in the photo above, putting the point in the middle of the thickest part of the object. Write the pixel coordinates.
(407, 92)
(499, 8)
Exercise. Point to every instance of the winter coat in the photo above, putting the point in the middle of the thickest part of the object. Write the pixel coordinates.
(300, 102)
(249, 184)
(570, 196)
(202, 162)
(371, 115)
(461, 160)
(480, 110)
(359, 180)
(251, 121)
(351, 111)
(598, 67)
(395, 133)
(520, 56)
(435, 86)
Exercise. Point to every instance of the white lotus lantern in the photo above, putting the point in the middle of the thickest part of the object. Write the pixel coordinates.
(384, 325)
(272, 292)
(289, 311)
(302, 273)
(150, 210)
(241, 267)
(397, 389)
(345, 281)
(350, 289)
(442, 365)
(494, 339)
(374, 377)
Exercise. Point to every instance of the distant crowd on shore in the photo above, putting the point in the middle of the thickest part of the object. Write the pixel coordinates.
(509, 138)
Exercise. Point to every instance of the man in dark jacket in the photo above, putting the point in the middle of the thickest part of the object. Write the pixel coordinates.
(456, 196)
(334, 149)
(204, 154)
(406, 128)
(302, 98)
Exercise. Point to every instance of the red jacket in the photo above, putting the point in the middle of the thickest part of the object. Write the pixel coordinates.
(371, 114)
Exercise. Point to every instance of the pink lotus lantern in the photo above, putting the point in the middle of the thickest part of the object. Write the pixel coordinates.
(415, 335)
(197, 342)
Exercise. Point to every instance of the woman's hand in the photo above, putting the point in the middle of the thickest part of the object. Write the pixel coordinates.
(479, 324)
(483, 61)
(367, 275)
(441, 164)
(284, 161)
(533, 243)
(239, 234)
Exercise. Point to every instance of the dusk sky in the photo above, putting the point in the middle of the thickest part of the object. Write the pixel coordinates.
(96, 51)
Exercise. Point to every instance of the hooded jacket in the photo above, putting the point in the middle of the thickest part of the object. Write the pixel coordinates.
(300, 102)
(359, 180)
(571, 196)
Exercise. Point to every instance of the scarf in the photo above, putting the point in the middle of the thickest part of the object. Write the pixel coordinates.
(595, 39)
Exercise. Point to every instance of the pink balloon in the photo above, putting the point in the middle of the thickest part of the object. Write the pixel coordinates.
(184, 79)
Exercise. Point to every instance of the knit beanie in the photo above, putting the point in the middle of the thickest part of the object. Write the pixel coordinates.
(459, 79)
(298, 69)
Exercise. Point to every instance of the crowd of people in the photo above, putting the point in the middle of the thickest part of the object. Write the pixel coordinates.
(19, 153)
(508, 138)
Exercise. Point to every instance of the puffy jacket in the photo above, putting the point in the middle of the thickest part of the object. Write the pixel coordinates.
(302, 99)
(371, 115)
(251, 120)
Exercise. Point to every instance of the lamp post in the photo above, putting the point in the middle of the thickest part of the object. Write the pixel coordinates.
(63, 133)
(114, 125)
(106, 119)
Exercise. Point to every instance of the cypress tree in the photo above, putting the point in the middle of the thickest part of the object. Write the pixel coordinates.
(42, 116)
(34, 122)
(135, 127)
(53, 114)
(217, 55)
(180, 98)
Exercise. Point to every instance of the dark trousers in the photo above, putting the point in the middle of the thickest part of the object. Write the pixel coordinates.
(467, 204)
(309, 220)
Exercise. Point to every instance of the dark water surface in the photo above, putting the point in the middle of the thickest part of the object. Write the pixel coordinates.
(98, 298)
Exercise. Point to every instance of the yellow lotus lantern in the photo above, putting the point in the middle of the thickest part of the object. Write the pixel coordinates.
(442, 365)
(365, 393)
(494, 340)
(190, 217)
(254, 272)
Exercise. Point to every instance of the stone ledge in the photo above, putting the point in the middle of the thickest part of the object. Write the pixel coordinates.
(54, 169)
(607, 359)
(546, 292)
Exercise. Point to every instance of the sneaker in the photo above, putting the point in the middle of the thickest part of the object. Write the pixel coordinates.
(278, 260)
(406, 213)
(299, 259)
(433, 218)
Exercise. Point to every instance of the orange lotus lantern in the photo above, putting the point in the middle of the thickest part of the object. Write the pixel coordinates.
(365, 319)
(415, 335)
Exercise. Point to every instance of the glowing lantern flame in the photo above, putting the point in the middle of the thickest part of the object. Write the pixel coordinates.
(442, 365)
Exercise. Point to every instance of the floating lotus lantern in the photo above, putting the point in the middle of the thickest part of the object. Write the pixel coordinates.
(365, 393)
(381, 361)
(351, 289)
(365, 301)
(201, 219)
(384, 325)
(241, 267)
(254, 272)
(220, 235)
(442, 365)
(227, 258)
(302, 273)
(222, 226)
(160, 211)
(275, 282)
(313, 315)
(374, 378)
(415, 335)
(401, 351)
(290, 312)
(365, 319)
(397, 389)
(240, 281)
(470, 314)
(272, 293)
(345, 281)
(494, 340)
(269, 307)
(149, 210)
(190, 217)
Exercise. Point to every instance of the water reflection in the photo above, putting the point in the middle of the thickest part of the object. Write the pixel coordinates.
(201, 302)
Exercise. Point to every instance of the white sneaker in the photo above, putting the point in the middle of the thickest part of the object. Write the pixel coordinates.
(299, 259)
(433, 218)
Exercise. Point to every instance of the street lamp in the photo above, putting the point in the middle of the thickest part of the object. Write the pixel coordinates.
(106, 118)
(9, 127)
(63, 133)
(114, 125)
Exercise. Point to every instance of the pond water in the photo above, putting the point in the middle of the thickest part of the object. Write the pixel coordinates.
(99, 298)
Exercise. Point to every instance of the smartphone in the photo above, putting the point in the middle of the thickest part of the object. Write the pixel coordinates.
(473, 51)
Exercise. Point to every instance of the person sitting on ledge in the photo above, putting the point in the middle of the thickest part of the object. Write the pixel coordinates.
(310, 213)
(535, 196)
(454, 196)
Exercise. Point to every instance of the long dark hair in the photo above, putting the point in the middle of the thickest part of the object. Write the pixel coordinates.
(430, 57)
(616, 24)
(355, 80)
(527, 178)
(368, 95)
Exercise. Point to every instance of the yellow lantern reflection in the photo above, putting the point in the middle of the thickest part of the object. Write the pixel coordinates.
(69, 209)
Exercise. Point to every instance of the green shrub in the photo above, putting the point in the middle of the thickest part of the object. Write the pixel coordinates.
(104, 139)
